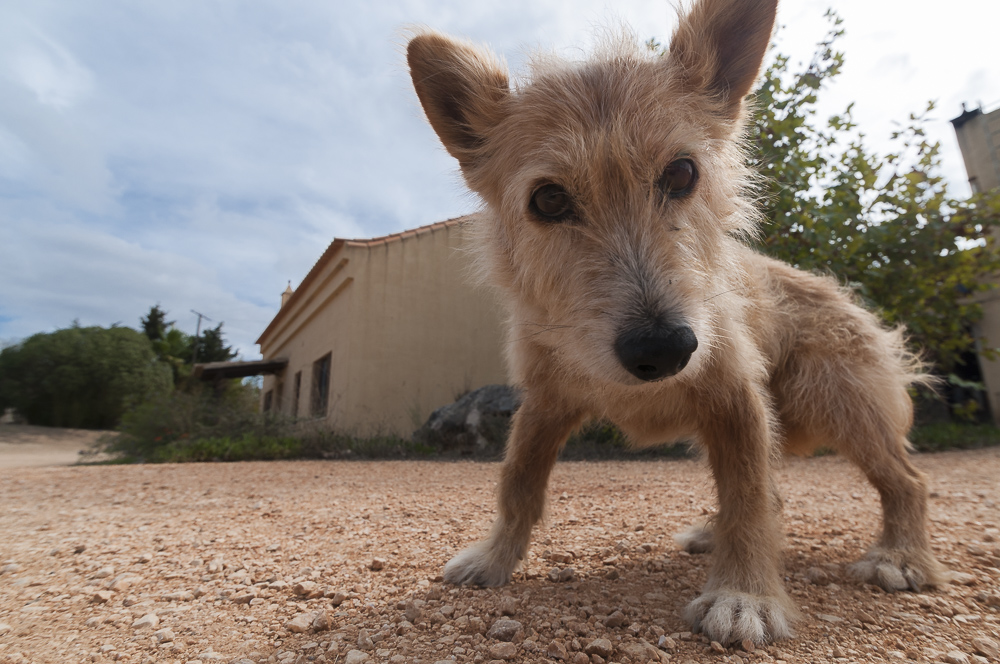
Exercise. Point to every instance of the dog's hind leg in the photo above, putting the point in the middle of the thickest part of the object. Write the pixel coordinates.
(902, 558)
(539, 430)
(743, 597)
(700, 537)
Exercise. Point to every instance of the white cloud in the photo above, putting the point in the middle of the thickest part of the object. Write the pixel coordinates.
(202, 154)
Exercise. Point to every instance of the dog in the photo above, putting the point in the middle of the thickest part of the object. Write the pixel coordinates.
(618, 206)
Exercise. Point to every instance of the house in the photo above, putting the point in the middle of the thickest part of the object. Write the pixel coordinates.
(978, 136)
(381, 332)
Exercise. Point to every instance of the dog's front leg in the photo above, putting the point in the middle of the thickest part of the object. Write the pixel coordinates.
(743, 597)
(539, 430)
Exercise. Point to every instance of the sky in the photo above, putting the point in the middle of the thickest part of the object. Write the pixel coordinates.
(201, 154)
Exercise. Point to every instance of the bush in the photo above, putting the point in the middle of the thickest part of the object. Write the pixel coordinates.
(80, 377)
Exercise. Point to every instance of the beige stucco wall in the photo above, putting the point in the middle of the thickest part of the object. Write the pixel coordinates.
(407, 329)
(979, 141)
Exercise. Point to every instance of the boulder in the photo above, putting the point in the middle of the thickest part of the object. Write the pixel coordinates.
(476, 422)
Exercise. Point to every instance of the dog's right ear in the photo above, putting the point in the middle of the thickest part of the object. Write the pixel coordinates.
(461, 88)
(719, 46)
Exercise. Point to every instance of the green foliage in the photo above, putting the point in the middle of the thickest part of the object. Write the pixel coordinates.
(80, 377)
(953, 436)
(211, 346)
(884, 224)
(177, 349)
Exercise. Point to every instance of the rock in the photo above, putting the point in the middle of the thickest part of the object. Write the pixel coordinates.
(300, 623)
(817, 576)
(478, 420)
(616, 619)
(307, 589)
(336, 597)
(562, 575)
(956, 657)
(377, 564)
(165, 635)
(717, 647)
(508, 606)
(122, 582)
(104, 573)
(102, 597)
(10, 568)
(829, 618)
(666, 643)
(149, 620)
(364, 640)
(244, 597)
(321, 621)
(4, 628)
(581, 658)
(355, 657)
(963, 579)
(503, 650)
(986, 647)
(413, 611)
(182, 596)
(505, 629)
(600, 647)
(639, 651)
(556, 650)
(864, 617)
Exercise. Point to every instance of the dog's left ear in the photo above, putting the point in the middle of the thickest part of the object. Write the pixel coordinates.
(719, 46)
(462, 90)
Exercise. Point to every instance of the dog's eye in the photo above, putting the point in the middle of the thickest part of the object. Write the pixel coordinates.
(678, 178)
(551, 202)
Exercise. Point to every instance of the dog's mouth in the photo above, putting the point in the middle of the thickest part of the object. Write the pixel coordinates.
(653, 354)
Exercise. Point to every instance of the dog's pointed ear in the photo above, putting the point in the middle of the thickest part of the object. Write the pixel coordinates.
(719, 46)
(461, 88)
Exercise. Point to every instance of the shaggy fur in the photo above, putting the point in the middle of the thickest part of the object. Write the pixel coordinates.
(785, 360)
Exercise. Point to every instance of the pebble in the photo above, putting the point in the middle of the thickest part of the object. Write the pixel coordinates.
(149, 620)
(557, 575)
(355, 657)
(616, 619)
(817, 576)
(508, 606)
(4, 628)
(956, 657)
(599, 647)
(165, 635)
(413, 610)
(829, 618)
(300, 623)
(503, 650)
(986, 647)
(556, 650)
(104, 572)
(101, 596)
(10, 568)
(505, 629)
(377, 564)
(666, 643)
(581, 658)
(864, 617)
(717, 647)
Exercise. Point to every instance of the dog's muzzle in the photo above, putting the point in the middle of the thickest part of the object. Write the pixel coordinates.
(660, 352)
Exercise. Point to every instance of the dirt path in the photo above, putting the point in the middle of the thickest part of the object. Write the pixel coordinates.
(25, 446)
(339, 562)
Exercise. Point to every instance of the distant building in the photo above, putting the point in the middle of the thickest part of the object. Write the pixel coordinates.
(383, 331)
(979, 140)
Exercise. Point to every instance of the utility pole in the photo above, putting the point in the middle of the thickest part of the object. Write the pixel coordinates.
(197, 333)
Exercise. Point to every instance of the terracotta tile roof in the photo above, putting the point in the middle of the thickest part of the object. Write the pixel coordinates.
(335, 247)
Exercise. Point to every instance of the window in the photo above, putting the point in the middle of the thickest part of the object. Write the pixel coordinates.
(297, 392)
(267, 400)
(320, 386)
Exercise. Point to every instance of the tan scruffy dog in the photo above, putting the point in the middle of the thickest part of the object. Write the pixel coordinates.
(616, 209)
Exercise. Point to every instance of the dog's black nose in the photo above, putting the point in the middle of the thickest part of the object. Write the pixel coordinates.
(657, 353)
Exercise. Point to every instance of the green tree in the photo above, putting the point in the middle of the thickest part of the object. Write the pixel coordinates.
(212, 346)
(883, 224)
(155, 324)
(81, 377)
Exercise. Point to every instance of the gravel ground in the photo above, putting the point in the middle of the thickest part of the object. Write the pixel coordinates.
(340, 562)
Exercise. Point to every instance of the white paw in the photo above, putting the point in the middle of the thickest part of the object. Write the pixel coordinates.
(482, 564)
(894, 569)
(696, 539)
(729, 617)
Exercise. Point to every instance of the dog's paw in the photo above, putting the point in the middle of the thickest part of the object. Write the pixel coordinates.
(896, 569)
(696, 539)
(728, 616)
(481, 564)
